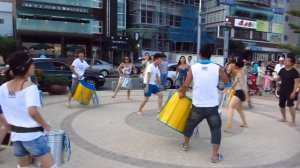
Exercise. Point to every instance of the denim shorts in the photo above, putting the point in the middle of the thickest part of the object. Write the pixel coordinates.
(152, 89)
(36, 148)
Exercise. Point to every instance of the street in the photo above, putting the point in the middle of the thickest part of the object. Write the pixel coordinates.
(112, 135)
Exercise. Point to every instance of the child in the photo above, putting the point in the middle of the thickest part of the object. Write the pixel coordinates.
(268, 80)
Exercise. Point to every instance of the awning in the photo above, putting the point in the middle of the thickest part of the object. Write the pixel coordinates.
(53, 14)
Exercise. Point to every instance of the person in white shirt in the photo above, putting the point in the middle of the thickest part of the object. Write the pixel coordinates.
(78, 68)
(152, 82)
(205, 76)
(19, 101)
(190, 62)
(279, 66)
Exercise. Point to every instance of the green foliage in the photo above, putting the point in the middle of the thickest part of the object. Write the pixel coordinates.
(7, 46)
(236, 48)
(289, 47)
(56, 80)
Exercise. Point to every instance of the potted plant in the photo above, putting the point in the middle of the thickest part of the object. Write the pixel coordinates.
(56, 84)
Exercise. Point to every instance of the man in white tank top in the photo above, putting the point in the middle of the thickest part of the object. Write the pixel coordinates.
(205, 76)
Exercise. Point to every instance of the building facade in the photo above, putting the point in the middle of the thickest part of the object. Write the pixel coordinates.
(259, 24)
(164, 26)
(291, 37)
(6, 19)
(57, 28)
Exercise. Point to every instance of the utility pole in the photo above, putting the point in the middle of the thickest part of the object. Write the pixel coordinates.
(199, 29)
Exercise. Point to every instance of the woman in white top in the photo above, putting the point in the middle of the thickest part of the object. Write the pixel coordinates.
(125, 69)
(20, 100)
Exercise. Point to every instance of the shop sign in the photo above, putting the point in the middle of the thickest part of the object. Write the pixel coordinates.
(277, 28)
(54, 7)
(227, 2)
(262, 26)
(245, 23)
(276, 38)
(252, 46)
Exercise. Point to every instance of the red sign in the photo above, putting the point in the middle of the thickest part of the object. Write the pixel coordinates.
(245, 23)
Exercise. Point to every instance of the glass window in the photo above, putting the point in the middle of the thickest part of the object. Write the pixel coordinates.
(1, 21)
(97, 27)
(147, 17)
(277, 18)
(241, 33)
(260, 35)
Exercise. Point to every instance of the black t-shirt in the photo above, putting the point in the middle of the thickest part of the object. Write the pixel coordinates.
(287, 80)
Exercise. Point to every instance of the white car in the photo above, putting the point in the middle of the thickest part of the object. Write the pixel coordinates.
(102, 67)
(171, 75)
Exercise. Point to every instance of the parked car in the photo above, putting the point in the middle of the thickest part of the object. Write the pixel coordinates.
(102, 67)
(171, 75)
(51, 67)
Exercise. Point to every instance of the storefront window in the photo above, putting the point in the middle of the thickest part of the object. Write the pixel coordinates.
(260, 35)
(147, 17)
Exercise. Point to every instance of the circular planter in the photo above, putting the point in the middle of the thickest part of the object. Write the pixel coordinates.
(56, 89)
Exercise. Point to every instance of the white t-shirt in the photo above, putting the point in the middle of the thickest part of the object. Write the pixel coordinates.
(205, 81)
(15, 109)
(278, 67)
(154, 70)
(80, 67)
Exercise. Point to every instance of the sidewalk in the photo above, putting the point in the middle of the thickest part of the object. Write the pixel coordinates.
(112, 135)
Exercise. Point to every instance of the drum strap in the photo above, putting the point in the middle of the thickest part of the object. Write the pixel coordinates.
(26, 130)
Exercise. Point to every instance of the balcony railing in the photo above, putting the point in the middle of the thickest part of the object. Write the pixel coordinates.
(82, 3)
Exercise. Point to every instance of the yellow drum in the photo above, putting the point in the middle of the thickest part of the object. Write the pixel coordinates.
(84, 92)
(176, 111)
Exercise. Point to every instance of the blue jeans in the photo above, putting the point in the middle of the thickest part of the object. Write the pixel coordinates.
(213, 119)
(163, 80)
(74, 85)
(36, 148)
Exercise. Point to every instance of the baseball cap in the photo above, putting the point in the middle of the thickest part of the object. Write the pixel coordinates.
(281, 59)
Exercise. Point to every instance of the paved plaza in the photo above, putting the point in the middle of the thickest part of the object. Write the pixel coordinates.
(113, 136)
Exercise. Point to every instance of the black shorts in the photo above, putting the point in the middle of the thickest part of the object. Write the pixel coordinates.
(284, 100)
(240, 94)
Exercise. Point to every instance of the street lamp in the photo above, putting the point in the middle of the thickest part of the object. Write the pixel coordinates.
(199, 29)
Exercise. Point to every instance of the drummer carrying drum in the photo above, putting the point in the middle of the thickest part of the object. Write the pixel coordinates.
(78, 68)
(205, 101)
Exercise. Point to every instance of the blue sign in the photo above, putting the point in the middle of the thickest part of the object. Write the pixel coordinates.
(278, 11)
(227, 2)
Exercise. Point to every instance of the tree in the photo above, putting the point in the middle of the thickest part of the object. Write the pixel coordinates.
(296, 29)
(7, 46)
(236, 48)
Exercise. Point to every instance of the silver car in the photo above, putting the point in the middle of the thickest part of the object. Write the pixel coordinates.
(102, 67)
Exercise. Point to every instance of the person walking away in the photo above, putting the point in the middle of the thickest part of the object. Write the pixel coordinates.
(205, 76)
(181, 70)
(125, 69)
(239, 96)
(260, 77)
(78, 68)
(20, 100)
(289, 83)
(152, 83)
(164, 72)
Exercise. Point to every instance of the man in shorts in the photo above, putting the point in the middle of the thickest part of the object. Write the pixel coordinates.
(289, 83)
(152, 82)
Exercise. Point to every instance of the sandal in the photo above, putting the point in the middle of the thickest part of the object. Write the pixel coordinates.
(184, 147)
(219, 159)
